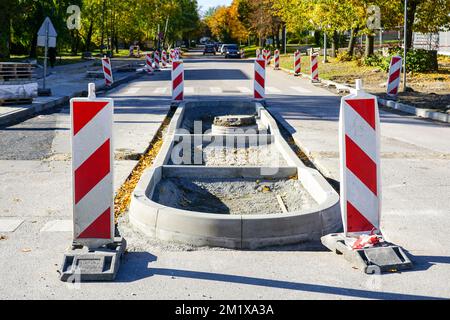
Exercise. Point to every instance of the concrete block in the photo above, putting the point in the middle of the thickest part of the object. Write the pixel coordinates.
(80, 264)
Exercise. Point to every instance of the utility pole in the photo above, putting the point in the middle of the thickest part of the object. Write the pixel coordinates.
(325, 60)
(405, 50)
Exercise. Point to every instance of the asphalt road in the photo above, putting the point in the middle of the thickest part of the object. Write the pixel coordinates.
(35, 201)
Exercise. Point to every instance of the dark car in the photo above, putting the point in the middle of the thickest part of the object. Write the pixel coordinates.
(209, 49)
(232, 51)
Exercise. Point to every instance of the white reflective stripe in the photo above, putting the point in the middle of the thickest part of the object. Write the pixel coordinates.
(259, 89)
(94, 203)
(132, 90)
(260, 70)
(273, 90)
(244, 89)
(92, 136)
(189, 90)
(393, 84)
(360, 132)
(215, 89)
(362, 198)
(176, 72)
(395, 66)
(300, 89)
(176, 92)
(161, 90)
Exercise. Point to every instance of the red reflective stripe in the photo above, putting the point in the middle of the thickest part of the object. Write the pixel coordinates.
(106, 70)
(179, 97)
(365, 108)
(356, 222)
(259, 79)
(358, 162)
(394, 75)
(394, 90)
(261, 63)
(92, 171)
(395, 60)
(177, 81)
(257, 95)
(83, 112)
(100, 228)
(314, 67)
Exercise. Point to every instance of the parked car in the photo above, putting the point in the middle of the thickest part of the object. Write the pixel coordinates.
(232, 51)
(209, 49)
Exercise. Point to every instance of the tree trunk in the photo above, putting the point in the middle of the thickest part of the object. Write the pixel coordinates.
(317, 38)
(334, 44)
(33, 49)
(89, 36)
(412, 6)
(370, 40)
(5, 34)
(283, 37)
(352, 42)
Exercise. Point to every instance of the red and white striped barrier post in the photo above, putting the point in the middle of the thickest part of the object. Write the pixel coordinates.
(92, 170)
(164, 59)
(260, 79)
(359, 134)
(297, 63)
(148, 63)
(172, 55)
(157, 60)
(393, 83)
(107, 71)
(258, 53)
(277, 59)
(177, 81)
(242, 54)
(314, 67)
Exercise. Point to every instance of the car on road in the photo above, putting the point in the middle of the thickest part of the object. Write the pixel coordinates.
(209, 49)
(232, 51)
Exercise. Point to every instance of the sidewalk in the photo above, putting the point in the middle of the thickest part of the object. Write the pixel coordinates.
(66, 82)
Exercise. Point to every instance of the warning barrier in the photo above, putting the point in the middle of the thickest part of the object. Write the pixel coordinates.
(177, 81)
(164, 59)
(107, 71)
(297, 63)
(393, 83)
(277, 59)
(314, 67)
(149, 63)
(157, 60)
(260, 76)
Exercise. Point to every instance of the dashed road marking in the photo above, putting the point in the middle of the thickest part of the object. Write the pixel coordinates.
(244, 89)
(301, 90)
(132, 90)
(273, 90)
(10, 225)
(161, 90)
(58, 226)
(215, 90)
(189, 90)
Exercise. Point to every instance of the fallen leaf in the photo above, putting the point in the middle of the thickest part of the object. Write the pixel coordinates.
(26, 250)
(3, 237)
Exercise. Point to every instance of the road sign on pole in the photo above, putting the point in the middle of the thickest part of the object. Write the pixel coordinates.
(47, 39)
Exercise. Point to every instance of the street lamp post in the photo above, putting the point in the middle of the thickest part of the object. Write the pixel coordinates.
(405, 50)
(325, 60)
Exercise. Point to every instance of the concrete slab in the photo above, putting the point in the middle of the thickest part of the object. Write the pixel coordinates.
(10, 225)
(58, 226)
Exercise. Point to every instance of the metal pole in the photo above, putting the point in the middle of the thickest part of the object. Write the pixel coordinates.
(405, 50)
(325, 47)
(45, 52)
(285, 40)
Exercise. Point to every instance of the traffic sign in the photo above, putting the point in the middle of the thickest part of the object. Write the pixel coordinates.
(47, 30)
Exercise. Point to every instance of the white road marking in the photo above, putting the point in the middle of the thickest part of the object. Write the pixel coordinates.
(244, 89)
(273, 90)
(161, 90)
(10, 225)
(58, 226)
(300, 89)
(189, 90)
(132, 90)
(215, 89)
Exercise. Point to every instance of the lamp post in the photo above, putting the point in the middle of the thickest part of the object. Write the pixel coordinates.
(405, 50)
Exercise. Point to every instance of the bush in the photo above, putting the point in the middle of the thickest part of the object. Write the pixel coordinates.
(418, 60)
(377, 61)
(343, 56)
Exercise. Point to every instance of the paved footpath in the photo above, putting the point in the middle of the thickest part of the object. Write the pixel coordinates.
(35, 190)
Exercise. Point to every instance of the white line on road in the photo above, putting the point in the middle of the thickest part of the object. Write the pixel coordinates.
(215, 90)
(273, 90)
(9, 225)
(189, 90)
(244, 89)
(58, 226)
(132, 90)
(301, 89)
(161, 90)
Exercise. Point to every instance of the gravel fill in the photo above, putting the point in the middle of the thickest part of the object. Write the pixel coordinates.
(232, 196)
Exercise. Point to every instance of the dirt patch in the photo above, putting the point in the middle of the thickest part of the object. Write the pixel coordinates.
(233, 196)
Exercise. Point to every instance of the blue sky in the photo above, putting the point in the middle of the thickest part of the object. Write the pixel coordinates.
(205, 4)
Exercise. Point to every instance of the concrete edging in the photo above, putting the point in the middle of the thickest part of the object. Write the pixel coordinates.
(237, 231)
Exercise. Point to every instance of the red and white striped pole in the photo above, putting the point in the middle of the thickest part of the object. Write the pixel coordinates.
(242, 54)
(297, 63)
(171, 56)
(314, 67)
(177, 81)
(148, 63)
(164, 59)
(157, 60)
(92, 170)
(258, 53)
(393, 83)
(277, 59)
(107, 71)
(260, 79)
(359, 134)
